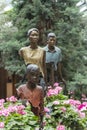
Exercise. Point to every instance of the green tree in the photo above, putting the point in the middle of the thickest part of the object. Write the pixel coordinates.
(9, 46)
(59, 16)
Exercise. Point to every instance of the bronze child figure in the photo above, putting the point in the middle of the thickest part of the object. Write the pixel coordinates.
(53, 60)
(32, 92)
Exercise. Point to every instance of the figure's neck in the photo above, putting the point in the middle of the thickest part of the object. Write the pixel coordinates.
(51, 48)
(33, 46)
(31, 85)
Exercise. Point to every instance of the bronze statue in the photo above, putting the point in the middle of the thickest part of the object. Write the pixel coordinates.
(53, 60)
(32, 92)
(34, 54)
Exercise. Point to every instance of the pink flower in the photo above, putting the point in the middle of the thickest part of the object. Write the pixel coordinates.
(81, 107)
(22, 112)
(5, 112)
(1, 105)
(54, 91)
(2, 100)
(11, 109)
(81, 114)
(85, 103)
(48, 116)
(46, 109)
(56, 102)
(1, 124)
(77, 103)
(20, 107)
(73, 102)
(60, 127)
(56, 84)
(63, 109)
(12, 99)
(59, 89)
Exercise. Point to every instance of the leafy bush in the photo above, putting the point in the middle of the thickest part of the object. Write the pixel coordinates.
(61, 113)
(13, 115)
(64, 113)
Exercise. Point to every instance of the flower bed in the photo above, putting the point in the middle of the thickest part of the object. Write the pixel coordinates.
(62, 113)
(15, 116)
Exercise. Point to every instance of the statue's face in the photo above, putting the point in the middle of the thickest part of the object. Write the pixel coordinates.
(33, 76)
(51, 41)
(34, 36)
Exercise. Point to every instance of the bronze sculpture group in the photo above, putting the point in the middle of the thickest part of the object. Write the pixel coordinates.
(43, 69)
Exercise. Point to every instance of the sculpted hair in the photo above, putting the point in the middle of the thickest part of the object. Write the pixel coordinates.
(51, 35)
(32, 29)
(32, 67)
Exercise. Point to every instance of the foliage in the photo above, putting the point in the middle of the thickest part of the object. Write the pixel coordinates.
(13, 115)
(69, 114)
(62, 17)
(60, 112)
(7, 30)
(78, 85)
(11, 59)
(59, 16)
